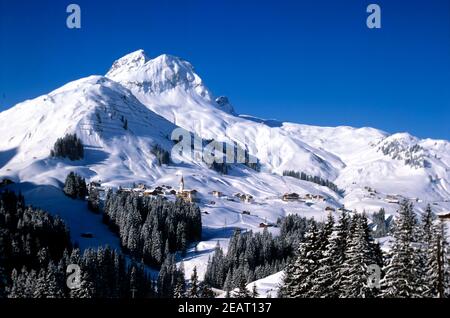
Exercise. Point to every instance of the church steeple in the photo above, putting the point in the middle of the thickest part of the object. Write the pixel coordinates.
(181, 184)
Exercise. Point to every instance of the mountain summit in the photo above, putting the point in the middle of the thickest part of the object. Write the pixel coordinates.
(154, 76)
(123, 115)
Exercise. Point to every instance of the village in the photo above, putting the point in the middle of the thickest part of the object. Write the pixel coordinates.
(212, 197)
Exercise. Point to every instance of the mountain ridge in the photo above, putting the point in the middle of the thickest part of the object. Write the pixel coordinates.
(163, 93)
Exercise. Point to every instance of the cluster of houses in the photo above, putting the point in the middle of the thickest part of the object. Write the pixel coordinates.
(290, 197)
(187, 195)
(296, 197)
(372, 192)
(164, 190)
(191, 196)
(244, 197)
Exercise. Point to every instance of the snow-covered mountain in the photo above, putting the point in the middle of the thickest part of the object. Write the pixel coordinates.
(170, 87)
(140, 101)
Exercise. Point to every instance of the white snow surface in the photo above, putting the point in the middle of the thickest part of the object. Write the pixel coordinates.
(155, 96)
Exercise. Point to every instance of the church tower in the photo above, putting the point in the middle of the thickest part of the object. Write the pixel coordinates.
(181, 185)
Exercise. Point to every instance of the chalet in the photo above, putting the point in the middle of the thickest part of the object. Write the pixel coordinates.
(316, 197)
(247, 198)
(392, 199)
(124, 190)
(319, 197)
(152, 192)
(444, 217)
(217, 194)
(329, 209)
(291, 197)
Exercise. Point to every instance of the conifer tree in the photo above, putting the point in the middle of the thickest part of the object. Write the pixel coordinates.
(194, 291)
(255, 293)
(242, 291)
(297, 281)
(402, 278)
(437, 263)
(206, 291)
(358, 257)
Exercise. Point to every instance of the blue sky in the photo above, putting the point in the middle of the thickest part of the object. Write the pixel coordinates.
(312, 62)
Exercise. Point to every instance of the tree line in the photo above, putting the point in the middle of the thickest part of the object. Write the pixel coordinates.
(35, 250)
(162, 155)
(337, 260)
(103, 274)
(152, 228)
(252, 256)
(69, 146)
(28, 237)
(315, 179)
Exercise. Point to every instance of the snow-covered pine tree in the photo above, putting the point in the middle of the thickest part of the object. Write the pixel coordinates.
(297, 280)
(402, 279)
(358, 257)
(326, 273)
(215, 271)
(3, 275)
(75, 186)
(437, 263)
(53, 288)
(194, 290)
(16, 289)
(39, 285)
(424, 237)
(179, 291)
(181, 238)
(255, 293)
(427, 221)
(86, 289)
(206, 291)
(93, 199)
(242, 291)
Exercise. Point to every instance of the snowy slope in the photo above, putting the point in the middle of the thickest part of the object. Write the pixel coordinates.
(95, 108)
(154, 96)
(170, 87)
